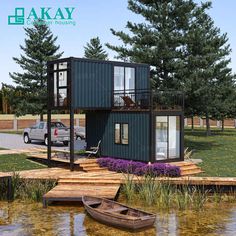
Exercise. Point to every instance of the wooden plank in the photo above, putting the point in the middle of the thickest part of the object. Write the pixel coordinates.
(75, 193)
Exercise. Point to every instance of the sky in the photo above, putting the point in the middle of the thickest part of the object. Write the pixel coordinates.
(93, 18)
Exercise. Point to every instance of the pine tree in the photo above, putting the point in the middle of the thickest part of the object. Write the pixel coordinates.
(94, 50)
(207, 76)
(31, 84)
(160, 40)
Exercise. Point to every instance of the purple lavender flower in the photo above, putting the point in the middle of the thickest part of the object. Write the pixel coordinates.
(139, 168)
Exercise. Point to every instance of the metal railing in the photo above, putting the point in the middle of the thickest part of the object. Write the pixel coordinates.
(147, 99)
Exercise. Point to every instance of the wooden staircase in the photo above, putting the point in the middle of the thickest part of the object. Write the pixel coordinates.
(188, 168)
(91, 166)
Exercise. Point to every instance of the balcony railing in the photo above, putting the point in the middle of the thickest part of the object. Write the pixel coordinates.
(147, 100)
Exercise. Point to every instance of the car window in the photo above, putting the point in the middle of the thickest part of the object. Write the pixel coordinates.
(36, 126)
(41, 125)
(59, 125)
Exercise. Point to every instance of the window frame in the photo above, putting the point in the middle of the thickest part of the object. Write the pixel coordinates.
(178, 116)
(124, 90)
(56, 75)
(121, 133)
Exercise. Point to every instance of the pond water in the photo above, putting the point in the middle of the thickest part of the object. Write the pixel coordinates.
(26, 219)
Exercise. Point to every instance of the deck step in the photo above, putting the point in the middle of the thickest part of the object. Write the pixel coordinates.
(192, 172)
(89, 161)
(192, 167)
(94, 169)
(89, 181)
(182, 164)
(84, 165)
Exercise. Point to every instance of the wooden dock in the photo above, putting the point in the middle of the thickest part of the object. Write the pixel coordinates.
(107, 184)
(73, 185)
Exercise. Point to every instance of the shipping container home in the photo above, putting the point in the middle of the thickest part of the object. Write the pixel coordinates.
(132, 121)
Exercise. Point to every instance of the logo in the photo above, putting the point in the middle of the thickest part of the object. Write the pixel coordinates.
(50, 16)
(18, 18)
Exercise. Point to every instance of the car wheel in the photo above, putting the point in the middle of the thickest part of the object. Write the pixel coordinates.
(78, 138)
(27, 139)
(46, 140)
(65, 143)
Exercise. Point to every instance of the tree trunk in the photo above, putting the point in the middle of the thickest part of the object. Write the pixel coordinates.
(222, 125)
(41, 117)
(208, 128)
(192, 123)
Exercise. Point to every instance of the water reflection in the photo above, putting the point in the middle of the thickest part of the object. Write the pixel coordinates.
(27, 219)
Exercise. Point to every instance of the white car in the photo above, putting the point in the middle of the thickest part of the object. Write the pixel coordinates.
(59, 133)
(79, 132)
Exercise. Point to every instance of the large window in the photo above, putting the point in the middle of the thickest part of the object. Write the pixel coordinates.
(124, 84)
(121, 133)
(60, 85)
(167, 137)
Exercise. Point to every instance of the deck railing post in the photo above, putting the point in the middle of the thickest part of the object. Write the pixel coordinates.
(72, 154)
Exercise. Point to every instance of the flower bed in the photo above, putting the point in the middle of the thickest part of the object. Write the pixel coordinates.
(139, 168)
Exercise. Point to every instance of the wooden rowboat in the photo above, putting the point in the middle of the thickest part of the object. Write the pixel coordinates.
(118, 215)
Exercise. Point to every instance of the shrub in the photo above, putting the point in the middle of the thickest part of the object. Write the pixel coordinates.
(139, 168)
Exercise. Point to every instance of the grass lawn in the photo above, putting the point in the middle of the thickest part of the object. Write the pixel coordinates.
(17, 162)
(218, 151)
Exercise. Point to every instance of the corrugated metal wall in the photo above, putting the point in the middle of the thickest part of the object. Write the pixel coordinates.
(92, 84)
(142, 77)
(100, 125)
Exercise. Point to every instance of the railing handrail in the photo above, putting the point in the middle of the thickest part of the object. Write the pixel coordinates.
(149, 98)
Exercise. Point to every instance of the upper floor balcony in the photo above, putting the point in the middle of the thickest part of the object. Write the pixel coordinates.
(156, 100)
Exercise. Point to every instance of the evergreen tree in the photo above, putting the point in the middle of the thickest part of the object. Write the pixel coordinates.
(31, 84)
(207, 77)
(160, 40)
(94, 50)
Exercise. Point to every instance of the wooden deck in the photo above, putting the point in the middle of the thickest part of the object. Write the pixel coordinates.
(22, 151)
(106, 184)
(90, 165)
(73, 185)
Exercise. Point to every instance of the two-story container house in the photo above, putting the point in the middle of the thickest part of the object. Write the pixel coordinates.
(132, 121)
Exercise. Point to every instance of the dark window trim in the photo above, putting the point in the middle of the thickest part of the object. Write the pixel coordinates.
(57, 71)
(121, 124)
(135, 78)
(180, 136)
(119, 141)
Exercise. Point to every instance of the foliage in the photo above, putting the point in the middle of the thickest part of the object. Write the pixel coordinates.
(139, 168)
(162, 195)
(159, 40)
(94, 50)
(128, 187)
(30, 94)
(26, 189)
(188, 154)
(208, 81)
(186, 51)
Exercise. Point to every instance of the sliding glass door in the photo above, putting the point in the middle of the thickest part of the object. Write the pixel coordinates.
(167, 135)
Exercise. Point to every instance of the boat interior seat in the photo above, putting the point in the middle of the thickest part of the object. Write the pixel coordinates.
(105, 205)
(117, 209)
(93, 203)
